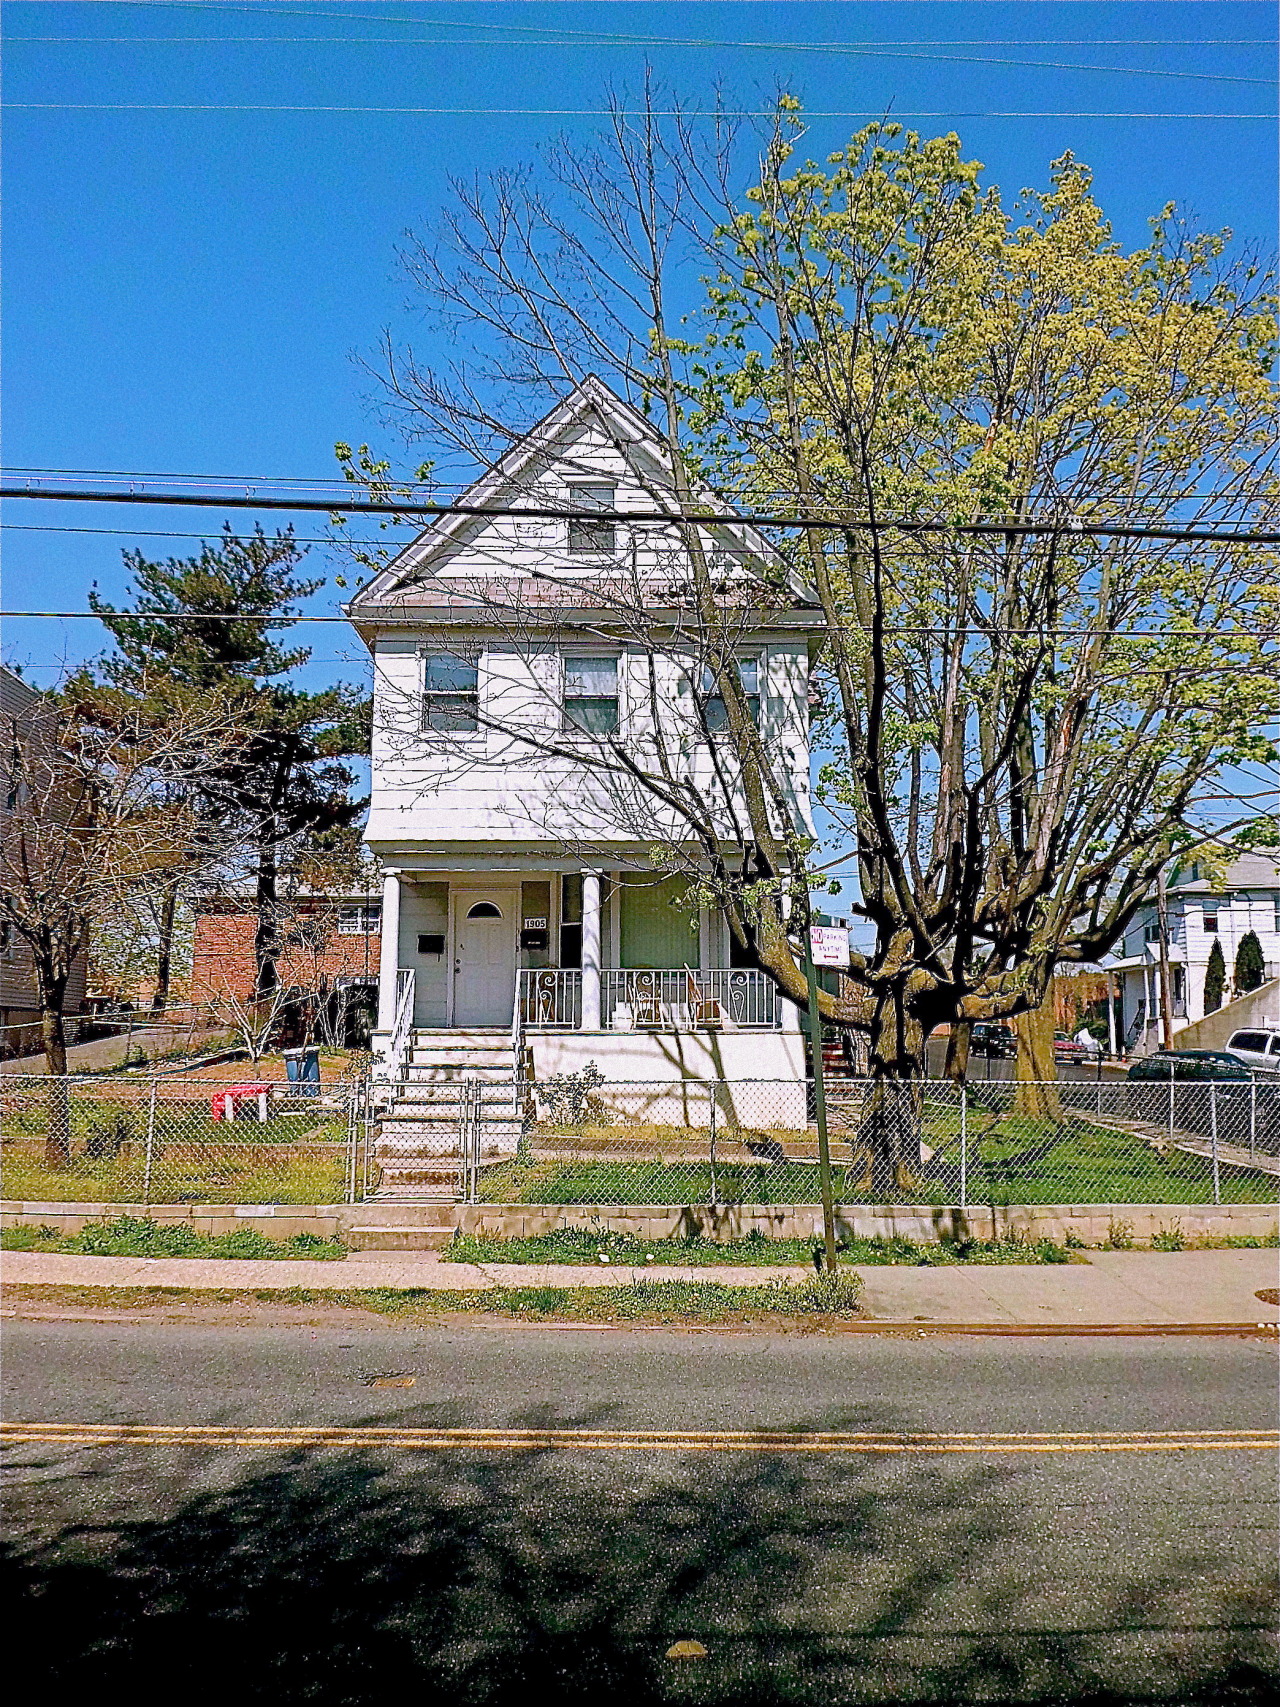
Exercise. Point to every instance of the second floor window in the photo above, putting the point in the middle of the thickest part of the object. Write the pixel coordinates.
(451, 692)
(586, 536)
(591, 695)
(716, 711)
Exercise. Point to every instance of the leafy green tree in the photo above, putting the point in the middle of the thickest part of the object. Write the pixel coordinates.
(207, 625)
(1020, 728)
(1215, 978)
(1251, 970)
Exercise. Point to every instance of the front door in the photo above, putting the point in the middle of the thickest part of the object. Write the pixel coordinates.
(484, 956)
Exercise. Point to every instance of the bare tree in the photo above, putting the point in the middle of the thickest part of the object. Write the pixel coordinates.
(89, 826)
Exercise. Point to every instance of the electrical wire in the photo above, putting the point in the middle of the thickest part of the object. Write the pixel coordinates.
(1069, 526)
(419, 616)
(587, 41)
(574, 112)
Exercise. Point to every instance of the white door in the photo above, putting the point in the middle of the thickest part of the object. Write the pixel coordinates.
(484, 956)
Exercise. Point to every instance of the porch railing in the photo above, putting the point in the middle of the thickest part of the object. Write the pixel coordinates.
(680, 999)
(550, 998)
(666, 999)
(401, 1040)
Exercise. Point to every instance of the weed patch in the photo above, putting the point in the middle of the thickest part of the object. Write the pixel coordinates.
(136, 1236)
(589, 1245)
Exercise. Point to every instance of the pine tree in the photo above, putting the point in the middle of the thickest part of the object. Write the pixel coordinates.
(1215, 978)
(1250, 967)
(287, 783)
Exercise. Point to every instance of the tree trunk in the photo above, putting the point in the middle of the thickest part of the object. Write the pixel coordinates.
(890, 1131)
(266, 941)
(957, 1068)
(57, 1139)
(1034, 1069)
(164, 949)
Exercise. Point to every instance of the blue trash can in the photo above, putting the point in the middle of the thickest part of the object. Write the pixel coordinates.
(303, 1069)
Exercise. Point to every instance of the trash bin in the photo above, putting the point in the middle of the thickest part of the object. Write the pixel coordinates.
(303, 1069)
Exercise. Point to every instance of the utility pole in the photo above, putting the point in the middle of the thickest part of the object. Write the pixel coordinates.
(820, 1108)
(1166, 979)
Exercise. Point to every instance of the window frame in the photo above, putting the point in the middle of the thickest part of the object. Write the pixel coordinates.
(441, 697)
(587, 538)
(717, 722)
(568, 725)
(359, 918)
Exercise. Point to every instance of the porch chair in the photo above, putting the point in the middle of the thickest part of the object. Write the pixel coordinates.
(705, 1011)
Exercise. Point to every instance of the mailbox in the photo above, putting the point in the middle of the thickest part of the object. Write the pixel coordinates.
(534, 938)
(431, 943)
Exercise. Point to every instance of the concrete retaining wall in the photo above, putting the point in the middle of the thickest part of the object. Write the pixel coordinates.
(1090, 1223)
(1261, 1007)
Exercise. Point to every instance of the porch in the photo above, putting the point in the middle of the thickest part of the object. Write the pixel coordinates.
(562, 951)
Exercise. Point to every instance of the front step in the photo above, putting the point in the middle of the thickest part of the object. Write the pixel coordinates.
(418, 1149)
(386, 1238)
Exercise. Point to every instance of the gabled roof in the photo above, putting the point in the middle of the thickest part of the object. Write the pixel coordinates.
(635, 439)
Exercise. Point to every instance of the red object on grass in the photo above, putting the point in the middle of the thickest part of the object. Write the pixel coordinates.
(222, 1104)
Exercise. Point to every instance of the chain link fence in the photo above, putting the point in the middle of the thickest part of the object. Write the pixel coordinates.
(143, 1139)
(579, 1138)
(588, 1140)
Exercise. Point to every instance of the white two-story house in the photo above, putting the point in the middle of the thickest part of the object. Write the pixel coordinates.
(540, 698)
(1201, 909)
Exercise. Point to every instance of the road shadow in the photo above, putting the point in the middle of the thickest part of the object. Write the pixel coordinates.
(504, 1579)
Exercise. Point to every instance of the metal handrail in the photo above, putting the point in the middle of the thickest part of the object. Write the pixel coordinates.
(401, 1038)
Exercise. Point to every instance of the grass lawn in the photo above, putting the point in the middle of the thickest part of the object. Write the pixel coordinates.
(1010, 1160)
(295, 1157)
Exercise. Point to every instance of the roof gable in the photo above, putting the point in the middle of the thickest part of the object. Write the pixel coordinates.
(592, 434)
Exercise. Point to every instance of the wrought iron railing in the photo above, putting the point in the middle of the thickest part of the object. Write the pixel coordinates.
(681, 999)
(550, 998)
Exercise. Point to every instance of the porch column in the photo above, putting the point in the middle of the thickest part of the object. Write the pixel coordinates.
(591, 951)
(389, 950)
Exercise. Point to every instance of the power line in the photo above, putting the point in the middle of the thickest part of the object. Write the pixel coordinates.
(172, 533)
(590, 40)
(830, 522)
(573, 112)
(419, 617)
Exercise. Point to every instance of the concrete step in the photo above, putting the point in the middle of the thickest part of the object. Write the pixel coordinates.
(436, 1216)
(438, 1180)
(426, 1066)
(384, 1237)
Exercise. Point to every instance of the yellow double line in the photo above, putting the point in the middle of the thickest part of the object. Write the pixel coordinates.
(614, 1440)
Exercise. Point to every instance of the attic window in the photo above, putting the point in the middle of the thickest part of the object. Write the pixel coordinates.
(587, 536)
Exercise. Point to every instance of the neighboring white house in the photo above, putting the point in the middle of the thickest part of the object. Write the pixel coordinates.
(520, 892)
(1246, 898)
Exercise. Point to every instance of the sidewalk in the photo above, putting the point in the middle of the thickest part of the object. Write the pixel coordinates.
(1133, 1288)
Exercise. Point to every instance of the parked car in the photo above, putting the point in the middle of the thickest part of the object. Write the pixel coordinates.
(1208, 1091)
(1067, 1050)
(1202, 1064)
(998, 1042)
(1257, 1048)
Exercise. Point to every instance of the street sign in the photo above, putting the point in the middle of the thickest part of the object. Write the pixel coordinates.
(829, 945)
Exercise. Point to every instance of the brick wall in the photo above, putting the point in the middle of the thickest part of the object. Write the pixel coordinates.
(222, 957)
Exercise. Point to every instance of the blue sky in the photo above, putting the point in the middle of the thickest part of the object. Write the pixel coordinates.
(184, 290)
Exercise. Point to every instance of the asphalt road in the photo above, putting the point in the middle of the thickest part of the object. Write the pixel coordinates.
(957, 1569)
